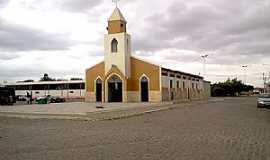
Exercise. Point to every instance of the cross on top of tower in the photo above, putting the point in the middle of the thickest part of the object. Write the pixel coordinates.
(116, 2)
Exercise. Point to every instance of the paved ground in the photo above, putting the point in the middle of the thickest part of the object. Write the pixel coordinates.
(84, 111)
(73, 108)
(233, 129)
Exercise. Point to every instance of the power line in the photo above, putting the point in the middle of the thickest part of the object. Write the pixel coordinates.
(231, 75)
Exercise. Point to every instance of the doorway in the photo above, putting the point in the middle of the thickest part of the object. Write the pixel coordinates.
(115, 93)
(98, 90)
(144, 89)
(188, 93)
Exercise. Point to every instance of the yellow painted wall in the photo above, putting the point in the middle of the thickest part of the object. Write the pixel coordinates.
(130, 85)
(91, 75)
(138, 68)
(115, 27)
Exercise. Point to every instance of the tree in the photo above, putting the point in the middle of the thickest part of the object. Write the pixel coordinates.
(61, 79)
(28, 80)
(229, 88)
(76, 79)
(46, 78)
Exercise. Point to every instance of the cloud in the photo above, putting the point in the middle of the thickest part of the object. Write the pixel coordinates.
(58, 64)
(8, 56)
(15, 37)
(174, 34)
(241, 28)
(78, 5)
(3, 3)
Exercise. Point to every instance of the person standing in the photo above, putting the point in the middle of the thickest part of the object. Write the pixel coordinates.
(31, 97)
(28, 97)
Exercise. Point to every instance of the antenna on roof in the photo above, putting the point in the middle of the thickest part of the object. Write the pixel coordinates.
(116, 2)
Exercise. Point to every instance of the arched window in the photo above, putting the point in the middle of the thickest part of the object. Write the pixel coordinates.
(114, 46)
(144, 79)
(115, 79)
(99, 81)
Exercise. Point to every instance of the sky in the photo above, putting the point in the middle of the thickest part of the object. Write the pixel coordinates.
(65, 37)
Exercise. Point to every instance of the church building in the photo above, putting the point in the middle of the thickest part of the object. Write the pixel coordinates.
(121, 77)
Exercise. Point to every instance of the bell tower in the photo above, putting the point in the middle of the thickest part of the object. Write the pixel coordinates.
(117, 44)
(117, 22)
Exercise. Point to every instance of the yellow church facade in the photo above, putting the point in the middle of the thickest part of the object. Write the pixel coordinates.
(122, 77)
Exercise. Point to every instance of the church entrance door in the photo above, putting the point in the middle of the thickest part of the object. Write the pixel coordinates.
(98, 90)
(144, 90)
(188, 93)
(115, 93)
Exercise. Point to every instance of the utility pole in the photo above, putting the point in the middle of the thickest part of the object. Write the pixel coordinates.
(268, 84)
(269, 78)
(245, 73)
(264, 87)
(204, 64)
(266, 80)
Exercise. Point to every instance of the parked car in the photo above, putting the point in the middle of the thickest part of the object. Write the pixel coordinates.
(42, 100)
(56, 99)
(21, 98)
(263, 100)
(50, 99)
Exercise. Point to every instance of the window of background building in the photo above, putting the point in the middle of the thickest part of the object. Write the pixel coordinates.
(171, 84)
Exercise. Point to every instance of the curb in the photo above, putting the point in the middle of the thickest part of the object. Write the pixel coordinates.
(87, 117)
(135, 114)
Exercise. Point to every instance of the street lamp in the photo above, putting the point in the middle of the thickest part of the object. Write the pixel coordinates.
(266, 81)
(245, 73)
(204, 63)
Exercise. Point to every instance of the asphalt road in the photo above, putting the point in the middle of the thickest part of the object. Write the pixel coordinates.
(233, 129)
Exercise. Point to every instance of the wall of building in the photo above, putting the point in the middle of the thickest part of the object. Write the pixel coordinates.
(116, 26)
(131, 86)
(121, 58)
(141, 68)
(115, 71)
(91, 75)
(76, 93)
(98, 71)
(268, 88)
(184, 87)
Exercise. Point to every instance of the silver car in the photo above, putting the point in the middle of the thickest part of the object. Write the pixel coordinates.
(263, 100)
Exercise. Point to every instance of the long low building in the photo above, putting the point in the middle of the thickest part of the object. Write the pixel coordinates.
(67, 89)
(122, 77)
(178, 85)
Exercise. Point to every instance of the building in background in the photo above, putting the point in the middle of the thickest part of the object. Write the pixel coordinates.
(267, 87)
(122, 77)
(66, 89)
